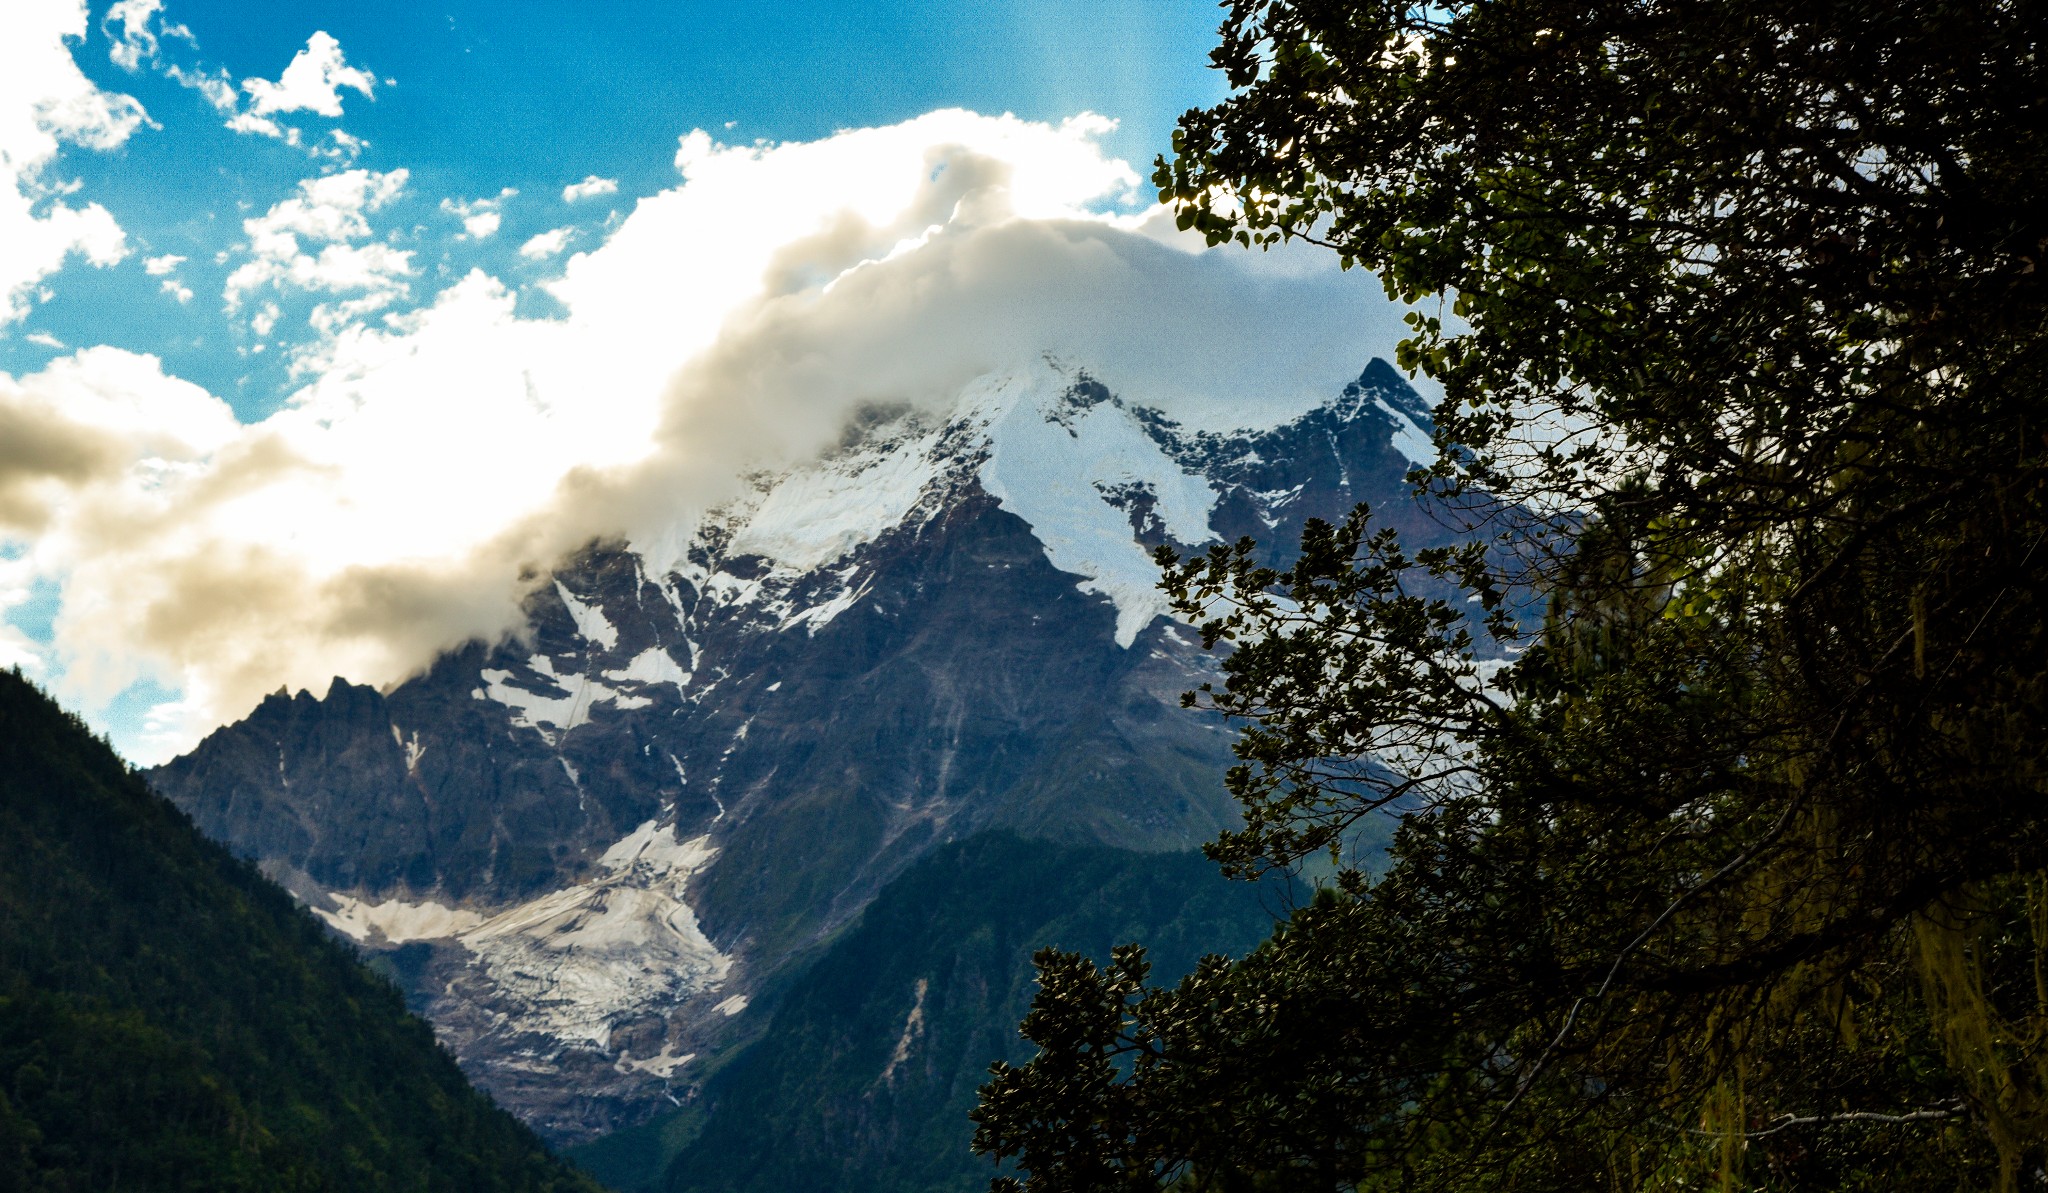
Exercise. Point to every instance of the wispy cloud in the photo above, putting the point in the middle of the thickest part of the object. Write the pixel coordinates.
(134, 29)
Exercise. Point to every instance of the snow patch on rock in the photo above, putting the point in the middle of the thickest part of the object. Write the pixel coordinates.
(552, 716)
(653, 665)
(819, 614)
(663, 1064)
(816, 515)
(590, 620)
(1409, 438)
(1051, 461)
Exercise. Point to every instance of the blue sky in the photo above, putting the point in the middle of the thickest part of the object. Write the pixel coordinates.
(325, 327)
(534, 96)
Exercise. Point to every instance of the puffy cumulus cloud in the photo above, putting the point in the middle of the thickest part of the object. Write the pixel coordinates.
(591, 187)
(44, 101)
(311, 82)
(480, 218)
(332, 211)
(542, 245)
(402, 500)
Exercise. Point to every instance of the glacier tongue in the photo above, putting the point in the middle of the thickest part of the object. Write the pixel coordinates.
(572, 962)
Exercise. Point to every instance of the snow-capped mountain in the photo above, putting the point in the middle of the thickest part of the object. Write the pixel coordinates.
(588, 850)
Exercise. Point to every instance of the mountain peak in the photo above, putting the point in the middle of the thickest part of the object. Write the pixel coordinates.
(949, 622)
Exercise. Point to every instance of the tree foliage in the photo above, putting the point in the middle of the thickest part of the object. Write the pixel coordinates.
(1727, 867)
(170, 1020)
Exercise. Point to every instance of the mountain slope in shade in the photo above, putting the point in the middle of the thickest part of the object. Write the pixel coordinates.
(169, 1019)
(864, 1078)
(590, 849)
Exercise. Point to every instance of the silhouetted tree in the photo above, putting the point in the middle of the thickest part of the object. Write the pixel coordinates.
(1722, 862)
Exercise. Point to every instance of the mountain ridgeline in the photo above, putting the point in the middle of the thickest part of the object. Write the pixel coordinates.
(601, 855)
(170, 1019)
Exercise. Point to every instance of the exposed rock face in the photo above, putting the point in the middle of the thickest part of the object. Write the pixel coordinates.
(587, 849)
(864, 1081)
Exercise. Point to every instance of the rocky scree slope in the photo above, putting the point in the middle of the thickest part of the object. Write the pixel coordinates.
(594, 853)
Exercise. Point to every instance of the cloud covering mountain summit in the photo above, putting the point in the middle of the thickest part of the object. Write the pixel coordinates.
(434, 460)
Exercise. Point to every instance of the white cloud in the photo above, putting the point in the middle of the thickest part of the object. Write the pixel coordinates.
(127, 27)
(46, 100)
(87, 417)
(733, 320)
(480, 217)
(330, 207)
(218, 87)
(312, 82)
(333, 210)
(345, 148)
(590, 187)
(163, 267)
(543, 245)
(16, 649)
(45, 340)
(262, 126)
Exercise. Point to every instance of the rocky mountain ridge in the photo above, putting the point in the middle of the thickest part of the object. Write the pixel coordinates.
(590, 852)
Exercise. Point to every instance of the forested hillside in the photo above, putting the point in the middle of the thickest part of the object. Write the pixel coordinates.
(863, 1080)
(169, 1019)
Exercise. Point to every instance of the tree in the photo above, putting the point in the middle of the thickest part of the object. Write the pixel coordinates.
(1724, 858)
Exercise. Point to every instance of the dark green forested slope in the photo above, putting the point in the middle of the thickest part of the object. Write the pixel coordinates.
(863, 1081)
(171, 1020)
